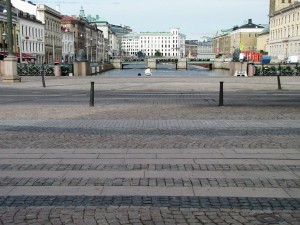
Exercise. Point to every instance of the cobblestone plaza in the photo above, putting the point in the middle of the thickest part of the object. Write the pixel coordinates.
(152, 151)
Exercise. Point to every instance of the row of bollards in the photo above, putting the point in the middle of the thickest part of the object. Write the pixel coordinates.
(221, 93)
(92, 94)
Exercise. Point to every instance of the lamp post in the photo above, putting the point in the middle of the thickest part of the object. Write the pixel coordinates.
(53, 50)
(4, 38)
(10, 62)
(91, 43)
(9, 29)
(20, 40)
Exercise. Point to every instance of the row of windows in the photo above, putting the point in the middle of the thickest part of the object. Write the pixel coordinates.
(149, 50)
(34, 32)
(158, 37)
(291, 49)
(68, 37)
(285, 19)
(33, 47)
(67, 47)
(152, 53)
(151, 47)
(53, 39)
(285, 32)
(148, 46)
(54, 26)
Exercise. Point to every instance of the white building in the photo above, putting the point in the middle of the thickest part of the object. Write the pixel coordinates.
(50, 18)
(31, 31)
(169, 44)
(68, 42)
(284, 40)
(32, 37)
(205, 49)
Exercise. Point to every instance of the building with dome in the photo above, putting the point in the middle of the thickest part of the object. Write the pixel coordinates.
(112, 35)
(87, 37)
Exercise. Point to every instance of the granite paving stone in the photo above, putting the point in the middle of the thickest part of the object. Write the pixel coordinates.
(152, 151)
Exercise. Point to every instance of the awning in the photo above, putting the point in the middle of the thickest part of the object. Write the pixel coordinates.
(17, 54)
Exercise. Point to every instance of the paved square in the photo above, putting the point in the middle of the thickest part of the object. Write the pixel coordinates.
(152, 151)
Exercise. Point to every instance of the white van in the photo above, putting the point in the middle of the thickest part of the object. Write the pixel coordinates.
(293, 59)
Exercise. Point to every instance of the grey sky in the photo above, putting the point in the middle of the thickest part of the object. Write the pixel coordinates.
(195, 18)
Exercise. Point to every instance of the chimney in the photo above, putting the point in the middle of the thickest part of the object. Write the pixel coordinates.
(249, 21)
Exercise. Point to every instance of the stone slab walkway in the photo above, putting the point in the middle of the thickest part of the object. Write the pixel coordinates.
(123, 163)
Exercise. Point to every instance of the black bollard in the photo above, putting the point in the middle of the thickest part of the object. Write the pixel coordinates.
(43, 75)
(278, 82)
(92, 95)
(221, 95)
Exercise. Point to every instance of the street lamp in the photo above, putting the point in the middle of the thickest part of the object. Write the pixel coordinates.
(4, 38)
(19, 38)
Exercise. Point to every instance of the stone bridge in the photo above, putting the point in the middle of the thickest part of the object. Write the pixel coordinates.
(180, 63)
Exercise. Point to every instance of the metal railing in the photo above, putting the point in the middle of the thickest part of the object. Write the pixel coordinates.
(278, 69)
(37, 69)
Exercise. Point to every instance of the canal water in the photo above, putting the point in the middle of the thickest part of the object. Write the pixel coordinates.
(164, 70)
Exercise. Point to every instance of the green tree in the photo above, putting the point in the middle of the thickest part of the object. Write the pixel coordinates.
(157, 53)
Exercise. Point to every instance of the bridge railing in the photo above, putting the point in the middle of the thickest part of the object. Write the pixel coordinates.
(36, 69)
(199, 60)
(133, 60)
(162, 60)
(277, 69)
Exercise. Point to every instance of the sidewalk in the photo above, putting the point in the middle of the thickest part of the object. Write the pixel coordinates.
(131, 160)
(158, 83)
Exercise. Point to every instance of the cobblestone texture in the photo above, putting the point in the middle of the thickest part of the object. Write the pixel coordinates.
(148, 167)
(155, 113)
(153, 182)
(159, 201)
(138, 215)
(20, 137)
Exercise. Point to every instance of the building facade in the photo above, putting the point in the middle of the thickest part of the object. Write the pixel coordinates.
(31, 37)
(68, 50)
(239, 37)
(169, 44)
(284, 38)
(77, 28)
(52, 22)
(109, 44)
(191, 48)
(222, 43)
(263, 41)
(205, 49)
(119, 31)
(87, 37)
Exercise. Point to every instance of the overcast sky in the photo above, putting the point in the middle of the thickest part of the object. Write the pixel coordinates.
(195, 18)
